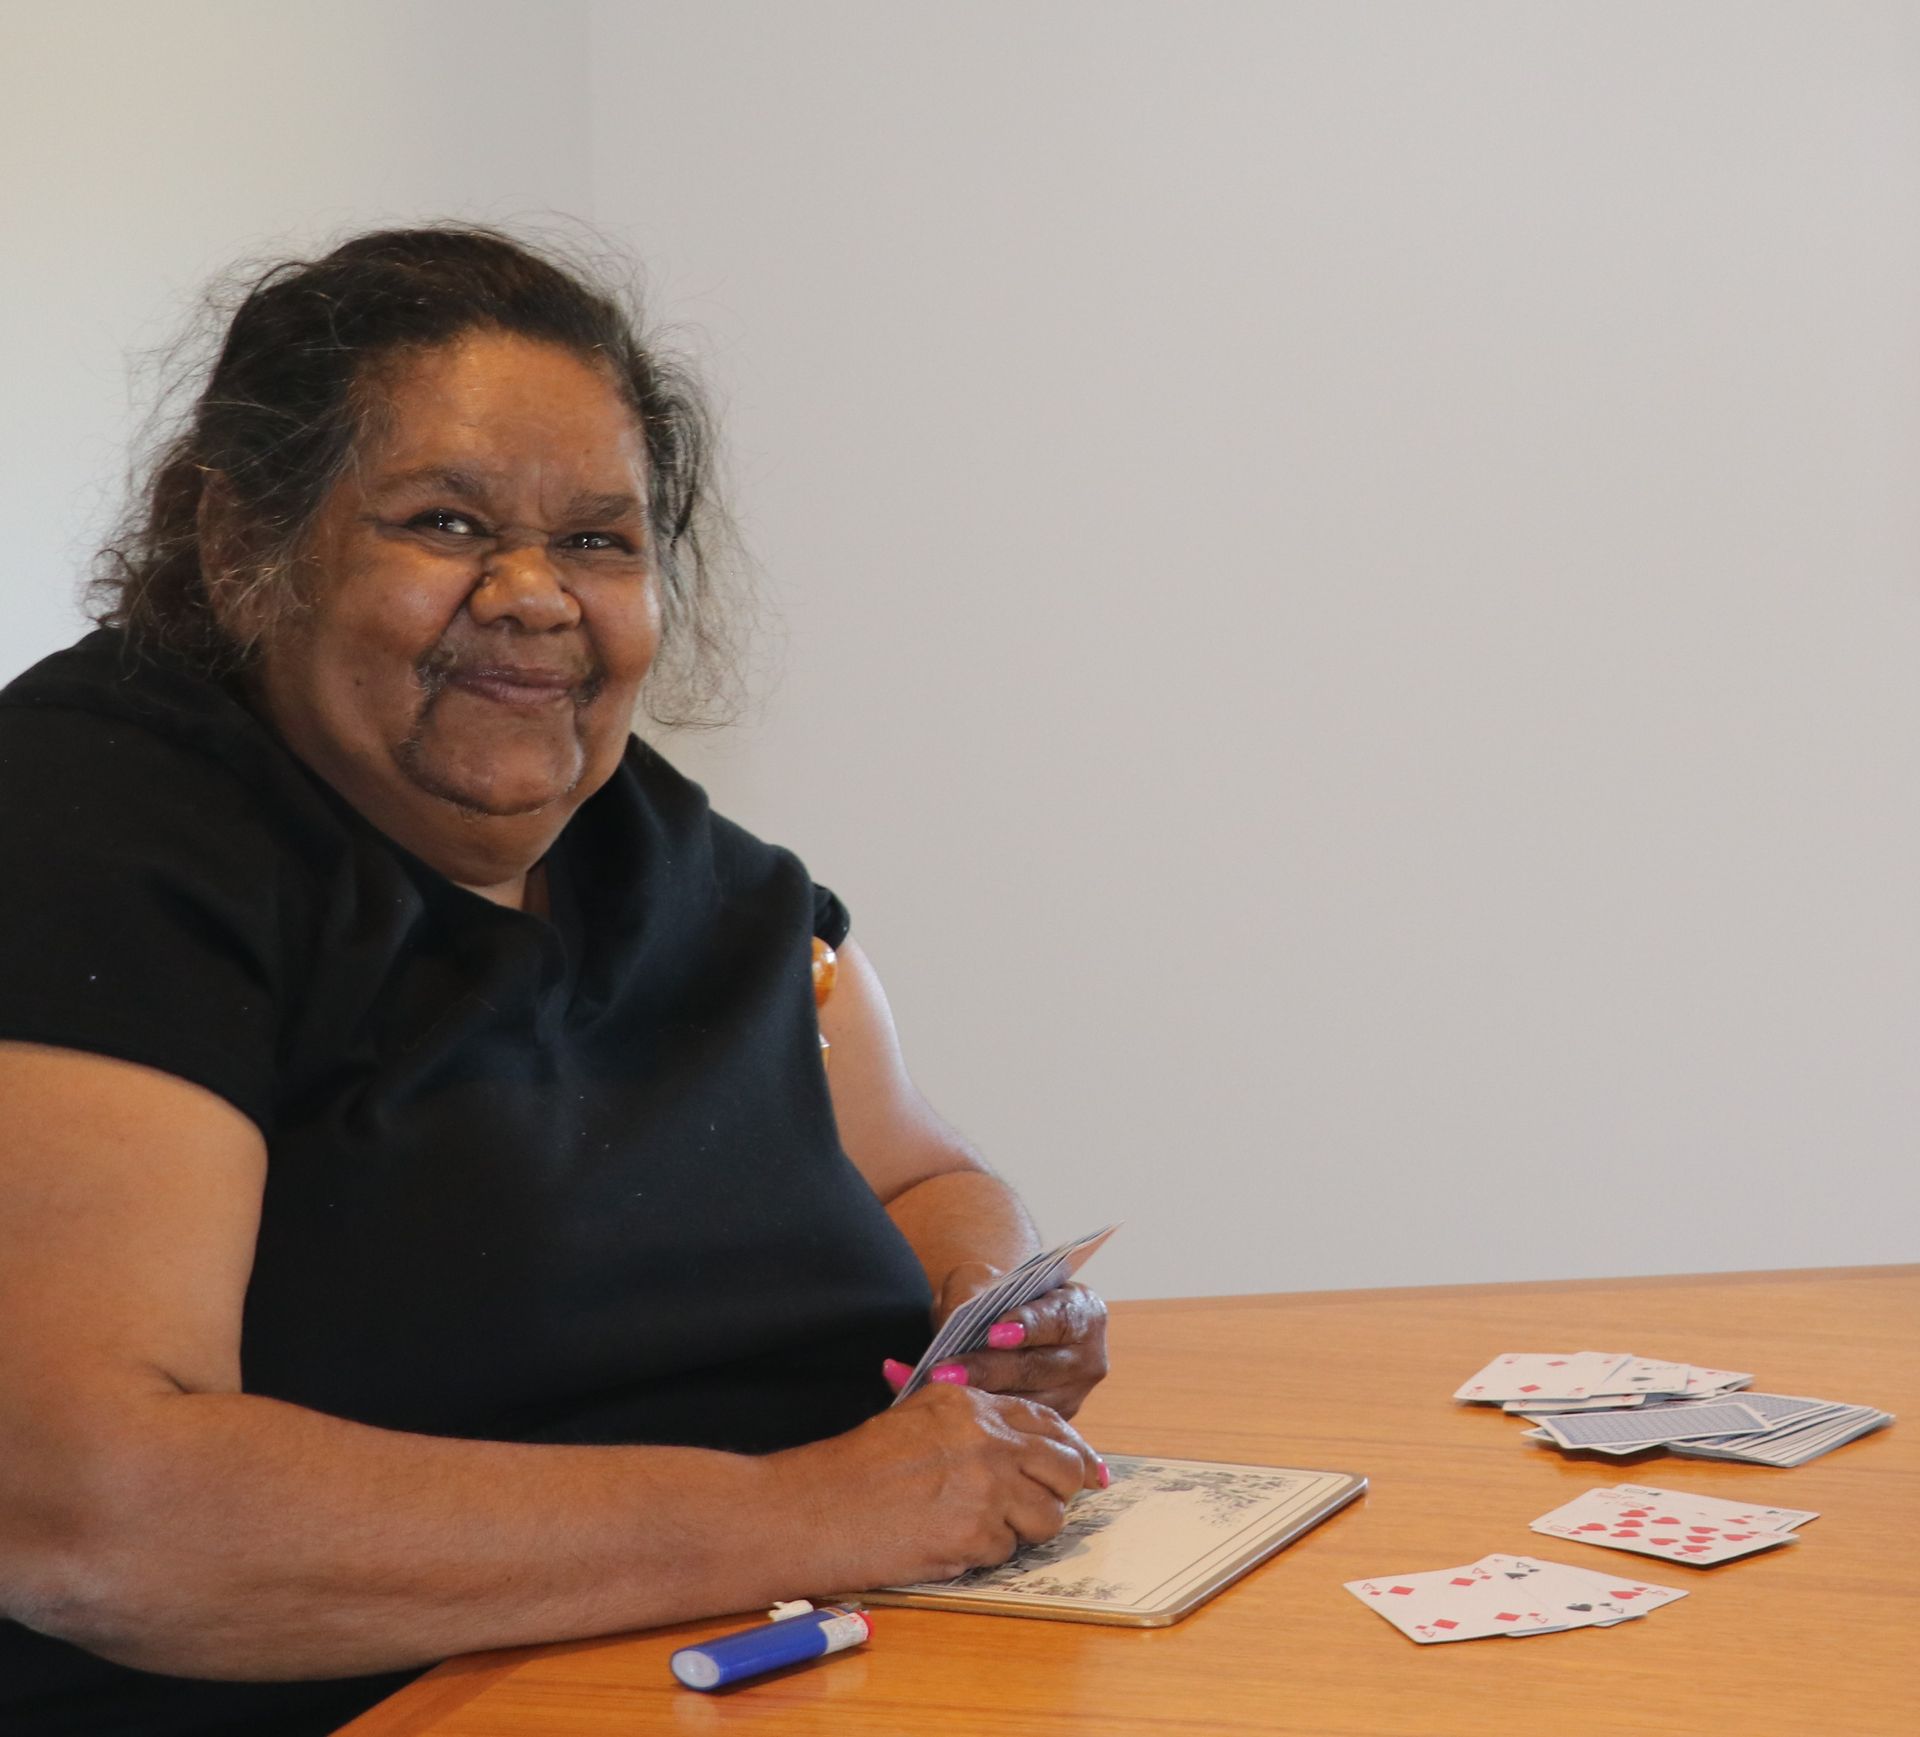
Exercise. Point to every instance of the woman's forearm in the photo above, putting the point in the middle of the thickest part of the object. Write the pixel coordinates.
(244, 1538)
(236, 1536)
(962, 1216)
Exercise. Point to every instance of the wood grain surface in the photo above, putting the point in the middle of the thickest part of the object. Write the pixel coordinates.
(1820, 1637)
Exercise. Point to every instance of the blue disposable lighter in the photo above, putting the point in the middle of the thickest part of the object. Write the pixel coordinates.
(732, 1658)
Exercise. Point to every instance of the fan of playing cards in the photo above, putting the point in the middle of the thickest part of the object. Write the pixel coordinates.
(966, 1328)
(1517, 1595)
(1510, 1595)
(1613, 1402)
(1696, 1530)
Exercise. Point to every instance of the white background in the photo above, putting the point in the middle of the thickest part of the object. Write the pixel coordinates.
(1345, 574)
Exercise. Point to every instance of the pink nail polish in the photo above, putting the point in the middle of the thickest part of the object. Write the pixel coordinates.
(953, 1374)
(1004, 1335)
(1106, 1477)
(896, 1372)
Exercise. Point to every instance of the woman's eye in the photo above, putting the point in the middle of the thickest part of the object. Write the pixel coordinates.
(597, 542)
(449, 523)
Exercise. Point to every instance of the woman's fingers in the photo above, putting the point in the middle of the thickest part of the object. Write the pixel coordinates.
(1053, 1351)
(1069, 1314)
(1054, 1453)
(954, 1478)
(1049, 1377)
(1026, 1475)
(1010, 1442)
(1051, 1462)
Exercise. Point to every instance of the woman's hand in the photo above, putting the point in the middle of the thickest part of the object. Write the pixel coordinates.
(952, 1479)
(1053, 1352)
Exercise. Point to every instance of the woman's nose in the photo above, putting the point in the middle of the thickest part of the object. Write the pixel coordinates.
(521, 584)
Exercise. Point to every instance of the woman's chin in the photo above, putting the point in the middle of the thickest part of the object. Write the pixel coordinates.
(501, 786)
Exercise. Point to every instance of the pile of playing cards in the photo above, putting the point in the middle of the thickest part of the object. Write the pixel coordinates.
(1697, 1530)
(1613, 1402)
(966, 1328)
(1540, 1381)
(1510, 1595)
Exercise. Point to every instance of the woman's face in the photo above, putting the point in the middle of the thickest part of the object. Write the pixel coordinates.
(480, 606)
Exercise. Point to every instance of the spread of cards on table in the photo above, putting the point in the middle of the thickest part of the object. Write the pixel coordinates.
(966, 1328)
(1616, 1403)
(1682, 1527)
(1507, 1595)
(1612, 1402)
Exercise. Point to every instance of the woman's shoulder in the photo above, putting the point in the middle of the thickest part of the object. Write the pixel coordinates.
(683, 828)
(106, 754)
(102, 710)
(682, 815)
(143, 827)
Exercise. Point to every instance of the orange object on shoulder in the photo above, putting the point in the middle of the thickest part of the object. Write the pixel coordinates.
(825, 967)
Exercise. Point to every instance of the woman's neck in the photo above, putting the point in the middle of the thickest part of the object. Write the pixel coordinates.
(527, 892)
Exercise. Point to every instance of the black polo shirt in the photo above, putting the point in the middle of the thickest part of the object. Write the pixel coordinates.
(572, 1179)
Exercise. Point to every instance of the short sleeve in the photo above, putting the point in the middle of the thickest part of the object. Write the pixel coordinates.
(141, 891)
(830, 920)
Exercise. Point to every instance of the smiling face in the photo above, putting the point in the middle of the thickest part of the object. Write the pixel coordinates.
(479, 606)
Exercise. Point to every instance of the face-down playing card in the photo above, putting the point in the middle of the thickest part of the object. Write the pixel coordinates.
(1650, 1425)
(1562, 1407)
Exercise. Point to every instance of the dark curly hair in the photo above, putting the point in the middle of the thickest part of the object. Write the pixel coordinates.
(292, 391)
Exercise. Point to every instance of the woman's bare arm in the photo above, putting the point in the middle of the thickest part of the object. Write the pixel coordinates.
(154, 1513)
(965, 1224)
(948, 1204)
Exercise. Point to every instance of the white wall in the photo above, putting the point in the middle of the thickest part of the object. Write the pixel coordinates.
(1347, 572)
(1349, 575)
(146, 148)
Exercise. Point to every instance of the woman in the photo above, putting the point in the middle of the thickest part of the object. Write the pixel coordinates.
(411, 1094)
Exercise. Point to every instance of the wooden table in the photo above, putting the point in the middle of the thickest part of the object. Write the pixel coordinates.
(1821, 1637)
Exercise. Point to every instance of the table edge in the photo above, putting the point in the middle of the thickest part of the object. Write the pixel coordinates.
(1644, 1281)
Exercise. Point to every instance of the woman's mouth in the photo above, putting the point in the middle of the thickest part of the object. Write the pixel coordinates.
(526, 686)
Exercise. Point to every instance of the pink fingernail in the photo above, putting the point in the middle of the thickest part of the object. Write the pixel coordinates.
(1004, 1335)
(1106, 1477)
(953, 1374)
(895, 1372)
